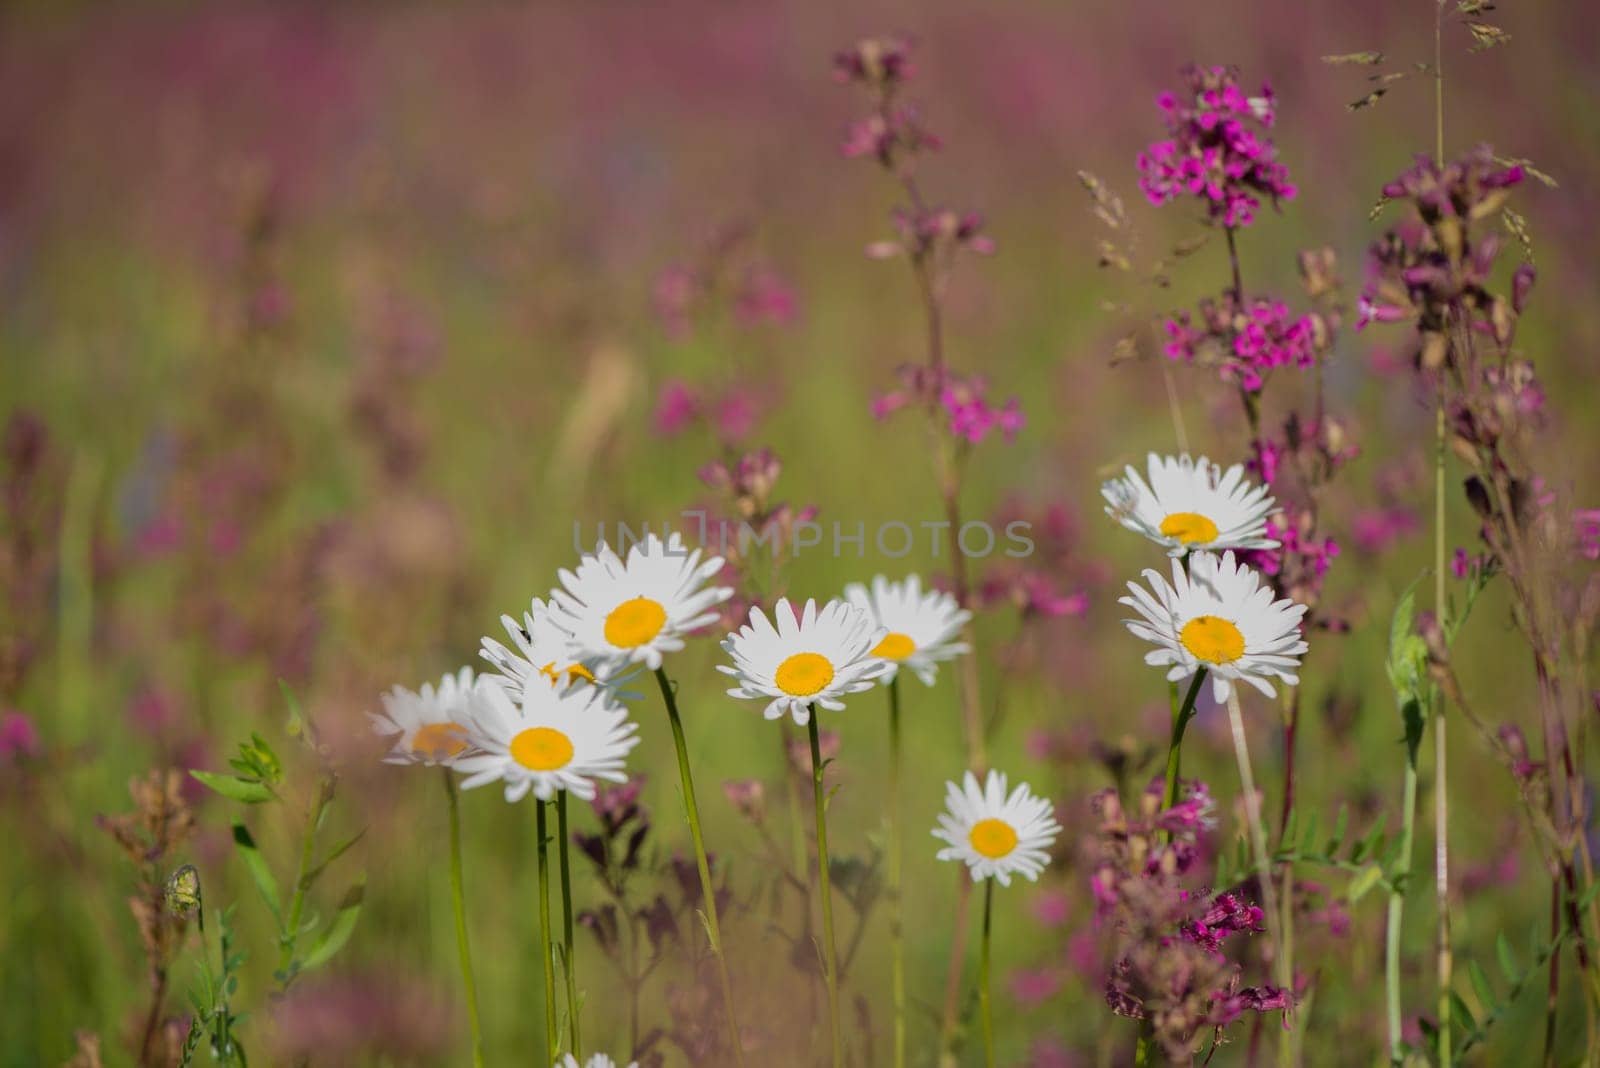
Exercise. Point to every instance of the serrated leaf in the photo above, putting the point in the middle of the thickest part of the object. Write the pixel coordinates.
(247, 791)
(260, 873)
(339, 931)
(1363, 59)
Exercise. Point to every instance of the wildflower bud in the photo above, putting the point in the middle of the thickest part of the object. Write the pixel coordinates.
(1503, 319)
(1521, 286)
(1432, 635)
(1478, 497)
(182, 891)
(1435, 347)
(1450, 237)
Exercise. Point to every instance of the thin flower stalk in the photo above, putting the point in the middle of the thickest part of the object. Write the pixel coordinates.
(1258, 837)
(984, 1008)
(707, 889)
(1181, 715)
(830, 953)
(463, 944)
(896, 890)
(546, 951)
(569, 964)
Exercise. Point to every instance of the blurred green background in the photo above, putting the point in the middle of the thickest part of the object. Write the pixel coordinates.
(335, 318)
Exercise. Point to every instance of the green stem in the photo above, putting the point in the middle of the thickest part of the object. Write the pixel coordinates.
(830, 954)
(1440, 790)
(290, 933)
(896, 900)
(983, 975)
(552, 1036)
(1397, 899)
(1181, 715)
(569, 962)
(1258, 840)
(707, 891)
(459, 907)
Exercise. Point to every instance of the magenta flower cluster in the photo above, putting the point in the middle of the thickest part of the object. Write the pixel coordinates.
(1248, 343)
(1218, 149)
(969, 414)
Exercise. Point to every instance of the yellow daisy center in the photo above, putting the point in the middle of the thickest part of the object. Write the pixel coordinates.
(1189, 527)
(895, 646)
(542, 749)
(632, 623)
(803, 674)
(1212, 639)
(993, 838)
(437, 741)
(573, 672)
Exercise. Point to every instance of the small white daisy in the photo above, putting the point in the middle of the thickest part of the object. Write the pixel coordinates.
(995, 833)
(427, 726)
(1220, 616)
(814, 660)
(922, 626)
(543, 651)
(596, 1060)
(549, 738)
(1191, 504)
(634, 611)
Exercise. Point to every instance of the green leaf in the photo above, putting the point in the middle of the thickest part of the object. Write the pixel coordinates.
(297, 720)
(1481, 987)
(248, 791)
(1461, 1009)
(1508, 959)
(339, 931)
(260, 873)
(1340, 827)
(334, 854)
(1364, 880)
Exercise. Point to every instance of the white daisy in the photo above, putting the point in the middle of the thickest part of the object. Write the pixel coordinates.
(922, 626)
(814, 660)
(994, 833)
(634, 611)
(427, 726)
(543, 651)
(548, 738)
(1191, 504)
(1220, 616)
(596, 1060)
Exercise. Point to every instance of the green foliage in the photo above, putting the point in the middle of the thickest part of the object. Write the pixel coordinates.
(1408, 672)
(214, 1020)
(1370, 860)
